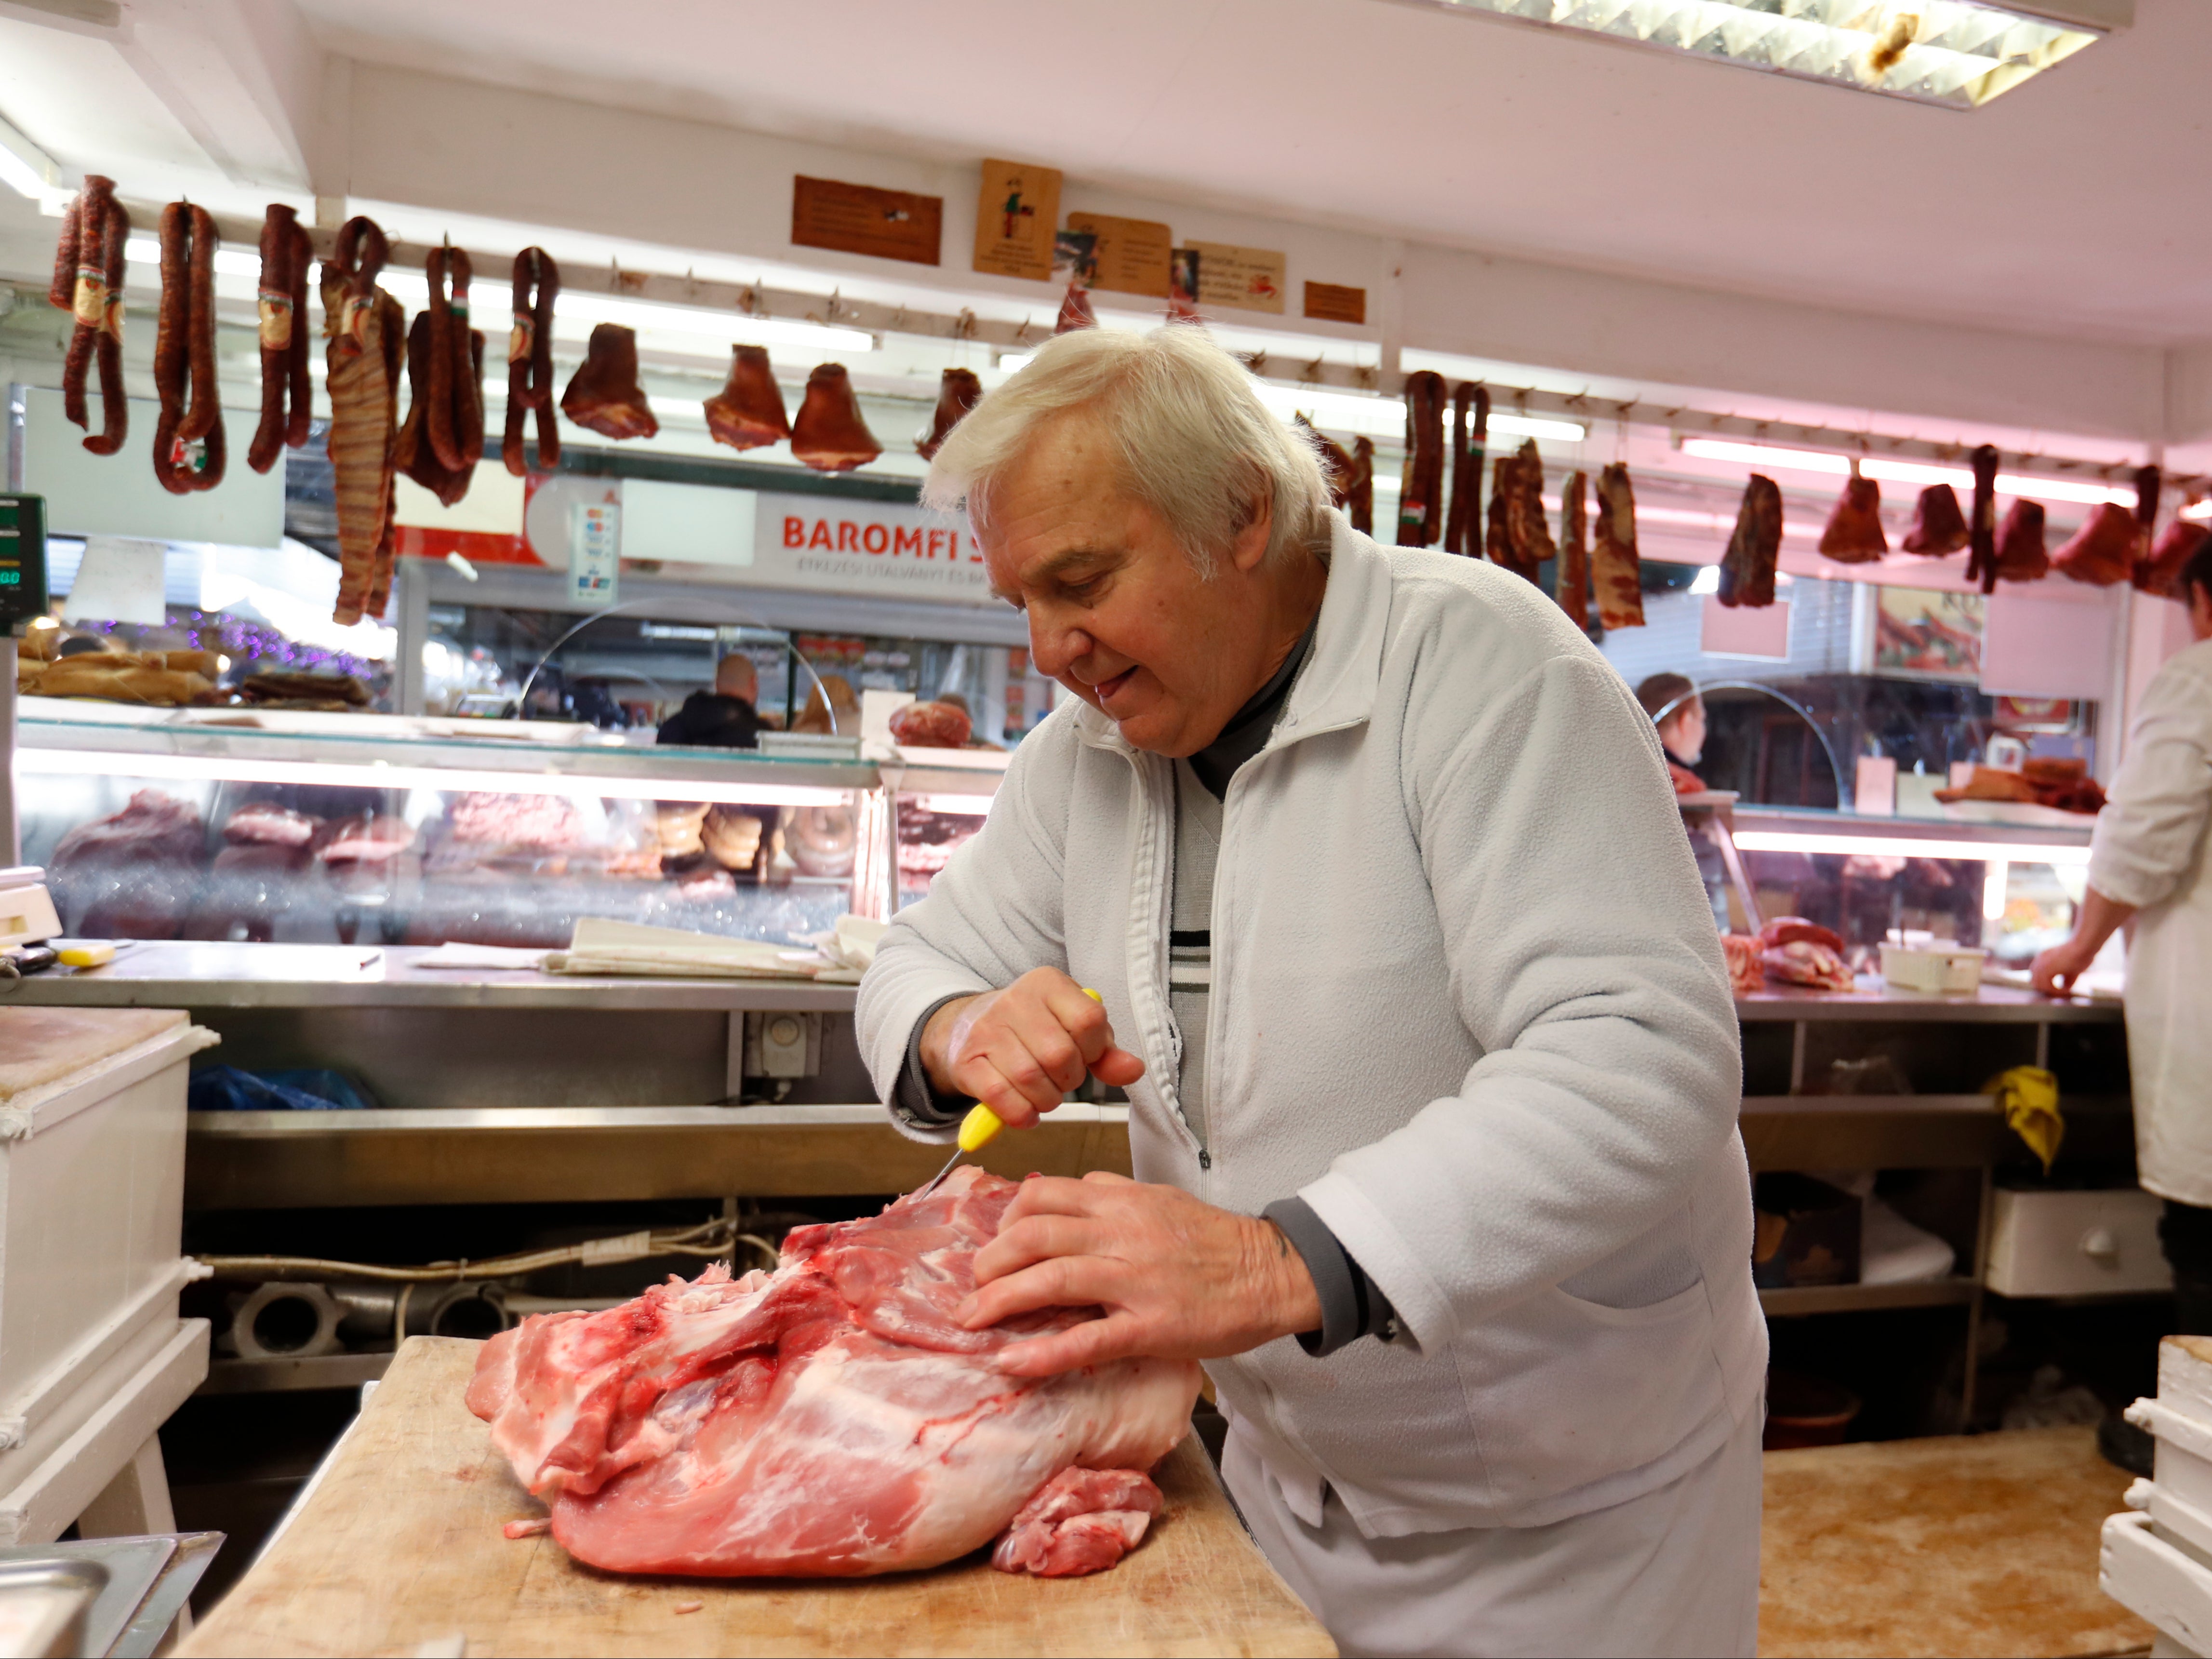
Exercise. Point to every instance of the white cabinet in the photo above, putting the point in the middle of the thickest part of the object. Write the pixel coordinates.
(2076, 1244)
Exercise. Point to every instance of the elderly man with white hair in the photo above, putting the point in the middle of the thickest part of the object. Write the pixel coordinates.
(1415, 993)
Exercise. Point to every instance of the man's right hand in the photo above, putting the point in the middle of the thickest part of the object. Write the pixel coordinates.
(1020, 1049)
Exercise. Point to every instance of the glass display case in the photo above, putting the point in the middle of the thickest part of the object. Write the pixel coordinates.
(938, 799)
(302, 827)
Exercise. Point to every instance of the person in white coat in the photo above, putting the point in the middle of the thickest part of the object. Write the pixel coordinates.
(2147, 872)
(1408, 975)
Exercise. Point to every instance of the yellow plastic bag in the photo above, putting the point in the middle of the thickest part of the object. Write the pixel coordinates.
(2028, 1096)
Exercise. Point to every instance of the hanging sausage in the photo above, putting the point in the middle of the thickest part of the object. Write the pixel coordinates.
(364, 324)
(1982, 534)
(287, 394)
(604, 395)
(455, 428)
(413, 453)
(1572, 583)
(1853, 534)
(1335, 461)
(2103, 551)
(958, 391)
(830, 435)
(1939, 527)
(1755, 547)
(87, 282)
(1470, 436)
(1359, 486)
(2020, 554)
(189, 449)
(530, 363)
(1616, 574)
(1420, 491)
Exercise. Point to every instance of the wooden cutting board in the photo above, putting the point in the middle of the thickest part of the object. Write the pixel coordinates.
(39, 1045)
(400, 1546)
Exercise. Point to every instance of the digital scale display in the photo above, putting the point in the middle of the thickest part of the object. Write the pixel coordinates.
(22, 559)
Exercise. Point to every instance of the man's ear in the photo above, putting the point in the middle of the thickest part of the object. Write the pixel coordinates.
(1250, 546)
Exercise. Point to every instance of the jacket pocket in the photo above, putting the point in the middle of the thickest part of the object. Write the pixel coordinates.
(1567, 1392)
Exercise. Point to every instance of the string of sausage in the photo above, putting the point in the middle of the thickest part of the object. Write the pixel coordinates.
(530, 360)
(87, 282)
(455, 426)
(1462, 526)
(285, 252)
(190, 451)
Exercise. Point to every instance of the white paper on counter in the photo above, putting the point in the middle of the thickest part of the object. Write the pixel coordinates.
(480, 956)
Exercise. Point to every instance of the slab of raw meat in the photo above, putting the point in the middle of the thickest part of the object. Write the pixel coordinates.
(830, 1418)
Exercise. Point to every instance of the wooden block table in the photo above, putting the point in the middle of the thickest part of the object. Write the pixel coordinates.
(400, 1546)
(1961, 1546)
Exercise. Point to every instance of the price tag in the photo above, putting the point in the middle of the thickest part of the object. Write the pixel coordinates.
(594, 552)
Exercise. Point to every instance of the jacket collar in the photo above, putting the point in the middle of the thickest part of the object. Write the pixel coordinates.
(1337, 687)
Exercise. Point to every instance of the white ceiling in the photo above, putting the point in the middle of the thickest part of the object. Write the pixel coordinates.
(2068, 207)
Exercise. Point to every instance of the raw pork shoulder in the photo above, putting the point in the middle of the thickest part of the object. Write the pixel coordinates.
(830, 1418)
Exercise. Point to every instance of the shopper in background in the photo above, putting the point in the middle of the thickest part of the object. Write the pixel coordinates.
(1678, 713)
(2147, 873)
(1431, 1062)
(725, 718)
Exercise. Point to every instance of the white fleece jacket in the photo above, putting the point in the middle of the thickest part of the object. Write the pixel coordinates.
(1468, 1002)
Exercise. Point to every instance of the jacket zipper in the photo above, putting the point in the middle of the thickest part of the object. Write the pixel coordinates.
(1156, 927)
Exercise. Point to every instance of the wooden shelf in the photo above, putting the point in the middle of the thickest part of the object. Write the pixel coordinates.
(1866, 1298)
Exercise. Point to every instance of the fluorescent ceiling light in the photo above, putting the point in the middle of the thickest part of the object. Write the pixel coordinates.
(1956, 54)
(1707, 580)
(1904, 847)
(85, 763)
(1907, 472)
(27, 170)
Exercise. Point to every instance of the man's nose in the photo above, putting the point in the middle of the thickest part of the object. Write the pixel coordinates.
(1054, 647)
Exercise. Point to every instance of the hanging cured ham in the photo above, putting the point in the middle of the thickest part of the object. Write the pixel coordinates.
(1939, 527)
(958, 391)
(1519, 537)
(1470, 439)
(1420, 492)
(287, 395)
(536, 282)
(1982, 533)
(2103, 551)
(1755, 547)
(189, 448)
(748, 412)
(1853, 534)
(830, 435)
(88, 283)
(604, 395)
(2020, 554)
(1571, 586)
(364, 324)
(1359, 486)
(1616, 574)
(2161, 573)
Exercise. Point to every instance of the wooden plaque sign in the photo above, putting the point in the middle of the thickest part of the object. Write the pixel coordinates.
(889, 224)
(1329, 303)
(1243, 278)
(1132, 253)
(1017, 211)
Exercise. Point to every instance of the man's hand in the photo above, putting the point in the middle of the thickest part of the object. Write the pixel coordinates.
(1178, 1279)
(2055, 970)
(1020, 1049)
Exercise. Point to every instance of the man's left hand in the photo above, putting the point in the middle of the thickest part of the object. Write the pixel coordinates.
(1178, 1279)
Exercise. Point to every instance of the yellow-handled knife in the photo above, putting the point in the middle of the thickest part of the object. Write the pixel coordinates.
(977, 1130)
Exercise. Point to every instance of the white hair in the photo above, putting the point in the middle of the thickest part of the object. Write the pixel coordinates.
(1196, 446)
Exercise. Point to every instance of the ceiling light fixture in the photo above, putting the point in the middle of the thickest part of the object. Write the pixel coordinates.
(1905, 472)
(1957, 54)
(27, 170)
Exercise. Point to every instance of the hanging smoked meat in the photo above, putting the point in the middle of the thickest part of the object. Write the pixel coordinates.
(1572, 578)
(2148, 485)
(287, 395)
(2104, 550)
(1982, 534)
(830, 435)
(748, 412)
(2161, 573)
(2020, 554)
(87, 282)
(1755, 548)
(958, 391)
(1470, 438)
(1853, 534)
(1616, 575)
(364, 324)
(188, 450)
(537, 283)
(1498, 536)
(604, 395)
(1359, 486)
(1528, 534)
(1939, 527)
(1421, 491)
(456, 424)
(413, 454)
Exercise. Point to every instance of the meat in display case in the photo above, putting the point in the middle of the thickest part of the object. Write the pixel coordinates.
(302, 828)
(939, 798)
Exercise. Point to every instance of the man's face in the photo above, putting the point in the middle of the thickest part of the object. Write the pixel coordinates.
(1685, 731)
(1116, 614)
